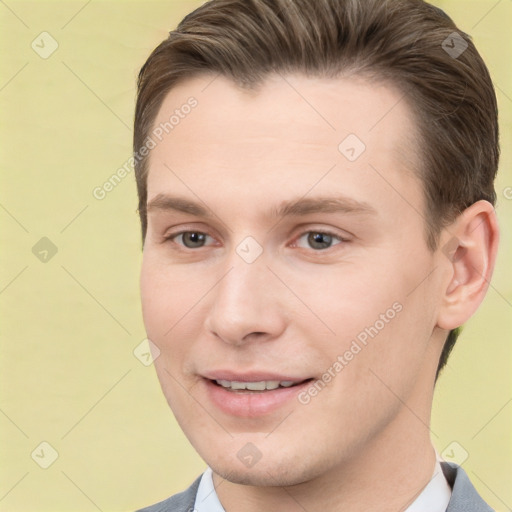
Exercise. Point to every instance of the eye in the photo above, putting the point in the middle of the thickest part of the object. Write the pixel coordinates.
(319, 240)
(190, 239)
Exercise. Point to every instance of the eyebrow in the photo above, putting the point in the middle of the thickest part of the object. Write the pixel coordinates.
(294, 207)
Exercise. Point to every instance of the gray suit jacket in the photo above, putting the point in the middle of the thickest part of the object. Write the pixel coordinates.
(464, 496)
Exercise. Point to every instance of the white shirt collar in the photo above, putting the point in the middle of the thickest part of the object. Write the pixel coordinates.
(434, 497)
(206, 497)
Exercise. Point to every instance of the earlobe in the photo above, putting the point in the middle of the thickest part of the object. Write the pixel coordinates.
(468, 258)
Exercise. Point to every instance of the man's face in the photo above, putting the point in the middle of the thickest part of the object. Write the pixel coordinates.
(340, 302)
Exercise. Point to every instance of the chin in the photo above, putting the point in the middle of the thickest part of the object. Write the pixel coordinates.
(255, 478)
(269, 473)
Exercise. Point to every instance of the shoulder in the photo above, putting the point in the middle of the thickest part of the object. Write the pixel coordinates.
(182, 502)
(465, 498)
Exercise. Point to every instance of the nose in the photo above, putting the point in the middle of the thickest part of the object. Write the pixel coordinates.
(245, 304)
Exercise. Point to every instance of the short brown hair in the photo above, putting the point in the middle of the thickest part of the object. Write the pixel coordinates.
(409, 43)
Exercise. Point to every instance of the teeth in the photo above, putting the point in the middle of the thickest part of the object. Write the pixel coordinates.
(224, 383)
(254, 386)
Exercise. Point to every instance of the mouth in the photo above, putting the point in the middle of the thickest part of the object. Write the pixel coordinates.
(256, 386)
(254, 396)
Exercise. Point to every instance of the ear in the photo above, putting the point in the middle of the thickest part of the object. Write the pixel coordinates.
(467, 256)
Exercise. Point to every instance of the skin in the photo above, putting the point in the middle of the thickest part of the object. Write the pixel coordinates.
(363, 441)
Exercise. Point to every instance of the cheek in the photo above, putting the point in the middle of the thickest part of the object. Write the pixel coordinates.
(164, 302)
(394, 342)
(153, 298)
(381, 314)
(173, 299)
(166, 295)
(352, 301)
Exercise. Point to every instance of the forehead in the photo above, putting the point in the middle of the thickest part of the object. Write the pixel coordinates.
(282, 136)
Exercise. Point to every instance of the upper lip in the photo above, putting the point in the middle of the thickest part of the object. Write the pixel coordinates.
(254, 376)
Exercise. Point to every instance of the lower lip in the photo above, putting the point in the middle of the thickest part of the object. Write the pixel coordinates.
(251, 404)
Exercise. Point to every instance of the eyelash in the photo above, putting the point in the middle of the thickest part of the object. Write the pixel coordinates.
(172, 236)
(334, 236)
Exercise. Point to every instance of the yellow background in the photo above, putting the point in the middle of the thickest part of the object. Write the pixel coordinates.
(69, 326)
